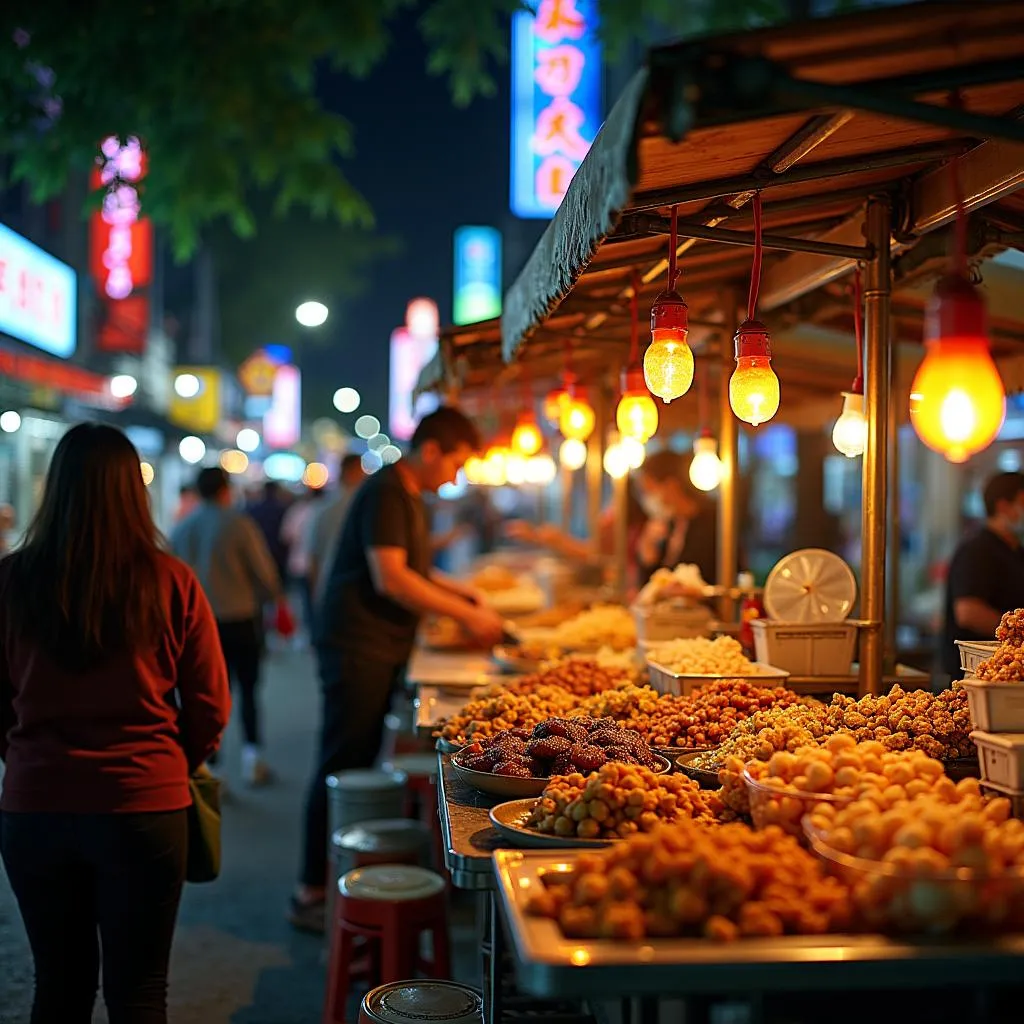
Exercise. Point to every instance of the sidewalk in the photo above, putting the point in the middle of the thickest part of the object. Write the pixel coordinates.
(236, 960)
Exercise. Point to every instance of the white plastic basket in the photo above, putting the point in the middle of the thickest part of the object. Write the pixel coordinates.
(974, 652)
(664, 681)
(995, 707)
(1016, 797)
(806, 648)
(659, 623)
(1001, 756)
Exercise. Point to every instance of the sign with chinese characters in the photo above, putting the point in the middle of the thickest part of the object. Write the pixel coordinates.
(282, 422)
(121, 246)
(556, 101)
(38, 296)
(409, 354)
(200, 412)
(477, 275)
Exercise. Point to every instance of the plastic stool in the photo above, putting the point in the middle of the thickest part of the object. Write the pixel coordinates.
(404, 1002)
(421, 771)
(389, 906)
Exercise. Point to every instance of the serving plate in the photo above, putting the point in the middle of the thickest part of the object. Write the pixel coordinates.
(510, 786)
(702, 776)
(510, 820)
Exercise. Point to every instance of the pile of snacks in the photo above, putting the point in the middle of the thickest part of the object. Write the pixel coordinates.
(616, 801)
(607, 657)
(551, 617)
(493, 579)
(938, 724)
(702, 719)
(580, 676)
(682, 581)
(686, 879)
(500, 709)
(557, 746)
(699, 656)
(792, 784)
(604, 625)
(904, 858)
(1007, 663)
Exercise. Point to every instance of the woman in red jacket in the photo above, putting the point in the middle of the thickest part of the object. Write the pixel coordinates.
(112, 689)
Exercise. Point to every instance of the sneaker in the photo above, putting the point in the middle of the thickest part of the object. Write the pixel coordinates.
(308, 917)
(255, 771)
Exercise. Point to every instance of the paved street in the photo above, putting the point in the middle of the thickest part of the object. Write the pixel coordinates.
(236, 960)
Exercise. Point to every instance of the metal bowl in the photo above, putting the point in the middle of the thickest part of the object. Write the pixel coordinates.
(514, 788)
(447, 746)
(704, 778)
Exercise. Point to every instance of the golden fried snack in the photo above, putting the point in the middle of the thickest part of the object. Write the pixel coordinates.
(699, 656)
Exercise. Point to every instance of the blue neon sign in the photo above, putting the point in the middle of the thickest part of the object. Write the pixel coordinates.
(556, 101)
(477, 275)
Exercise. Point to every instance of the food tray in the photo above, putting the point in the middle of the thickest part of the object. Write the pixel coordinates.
(671, 621)
(682, 685)
(974, 652)
(548, 964)
(806, 648)
(1001, 756)
(510, 820)
(995, 707)
(510, 786)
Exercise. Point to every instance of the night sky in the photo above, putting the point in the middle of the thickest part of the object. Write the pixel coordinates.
(425, 167)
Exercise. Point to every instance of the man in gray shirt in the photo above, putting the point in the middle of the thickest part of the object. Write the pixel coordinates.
(325, 526)
(227, 552)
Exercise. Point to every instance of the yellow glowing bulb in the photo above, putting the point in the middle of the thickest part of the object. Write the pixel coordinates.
(475, 470)
(515, 469)
(234, 461)
(527, 438)
(553, 404)
(147, 473)
(706, 467)
(315, 475)
(540, 470)
(616, 461)
(572, 454)
(850, 433)
(495, 466)
(637, 416)
(634, 451)
(957, 400)
(754, 390)
(577, 420)
(668, 364)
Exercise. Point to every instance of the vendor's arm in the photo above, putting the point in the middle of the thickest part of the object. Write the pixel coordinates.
(456, 587)
(976, 615)
(393, 577)
(651, 544)
(550, 537)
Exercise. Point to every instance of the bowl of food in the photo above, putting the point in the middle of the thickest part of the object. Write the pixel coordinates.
(774, 802)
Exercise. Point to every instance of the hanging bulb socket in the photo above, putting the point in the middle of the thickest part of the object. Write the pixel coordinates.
(670, 313)
(753, 387)
(632, 381)
(752, 339)
(955, 310)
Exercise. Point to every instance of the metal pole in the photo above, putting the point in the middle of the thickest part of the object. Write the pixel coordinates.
(568, 478)
(728, 454)
(892, 600)
(595, 466)
(620, 490)
(877, 371)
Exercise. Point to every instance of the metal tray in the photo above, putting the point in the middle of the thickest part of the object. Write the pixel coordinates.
(510, 820)
(683, 684)
(549, 964)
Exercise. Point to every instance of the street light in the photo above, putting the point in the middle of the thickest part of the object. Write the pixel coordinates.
(123, 385)
(346, 400)
(247, 439)
(187, 385)
(192, 449)
(311, 314)
(10, 421)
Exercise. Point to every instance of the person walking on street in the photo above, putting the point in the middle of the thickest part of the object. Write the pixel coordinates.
(986, 575)
(113, 689)
(268, 513)
(295, 532)
(325, 526)
(226, 550)
(378, 585)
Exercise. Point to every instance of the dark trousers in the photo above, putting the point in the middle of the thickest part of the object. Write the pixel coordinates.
(92, 882)
(242, 644)
(356, 694)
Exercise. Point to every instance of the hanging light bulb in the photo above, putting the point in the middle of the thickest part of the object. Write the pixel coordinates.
(577, 420)
(636, 415)
(616, 461)
(957, 400)
(634, 450)
(850, 433)
(475, 471)
(706, 467)
(515, 469)
(553, 403)
(541, 470)
(668, 361)
(572, 455)
(753, 386)
(495, 463)
(527, 438)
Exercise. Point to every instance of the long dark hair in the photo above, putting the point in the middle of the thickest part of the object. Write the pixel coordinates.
(86, 581)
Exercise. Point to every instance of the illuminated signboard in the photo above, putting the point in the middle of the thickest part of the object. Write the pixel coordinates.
(477, 274)
(282, 422)
(409, 354)
(556, 101)
(38, 296)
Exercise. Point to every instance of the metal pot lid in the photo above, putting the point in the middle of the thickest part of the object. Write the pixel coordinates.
(403, 1002)
(387, 835)
(810, 585)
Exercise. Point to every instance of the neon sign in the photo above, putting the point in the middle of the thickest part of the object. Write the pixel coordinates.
(477, 274)
(282, 422)
(409, 354)
(556, 101)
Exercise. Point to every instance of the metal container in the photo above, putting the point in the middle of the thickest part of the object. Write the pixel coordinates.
(355, 796)
(405, 1002)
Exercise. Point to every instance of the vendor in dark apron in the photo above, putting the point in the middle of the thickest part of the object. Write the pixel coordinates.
(682, 524)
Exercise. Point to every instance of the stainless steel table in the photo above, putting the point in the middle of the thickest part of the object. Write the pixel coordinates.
(469, 837)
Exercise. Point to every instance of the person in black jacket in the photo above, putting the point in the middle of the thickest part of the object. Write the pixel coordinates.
(682, 523)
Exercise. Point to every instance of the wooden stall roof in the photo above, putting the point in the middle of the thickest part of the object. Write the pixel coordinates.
(816, 117)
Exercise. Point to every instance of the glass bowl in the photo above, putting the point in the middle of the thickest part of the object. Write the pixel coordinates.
(783, 805)
(893, 898)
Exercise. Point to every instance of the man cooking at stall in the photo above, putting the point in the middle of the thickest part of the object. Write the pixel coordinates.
(377, 587)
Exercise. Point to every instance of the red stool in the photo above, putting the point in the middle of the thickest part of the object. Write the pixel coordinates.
(388, 906)
(420, 771)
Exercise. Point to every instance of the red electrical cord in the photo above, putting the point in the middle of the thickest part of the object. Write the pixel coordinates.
(755, 273)
(673, 270)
